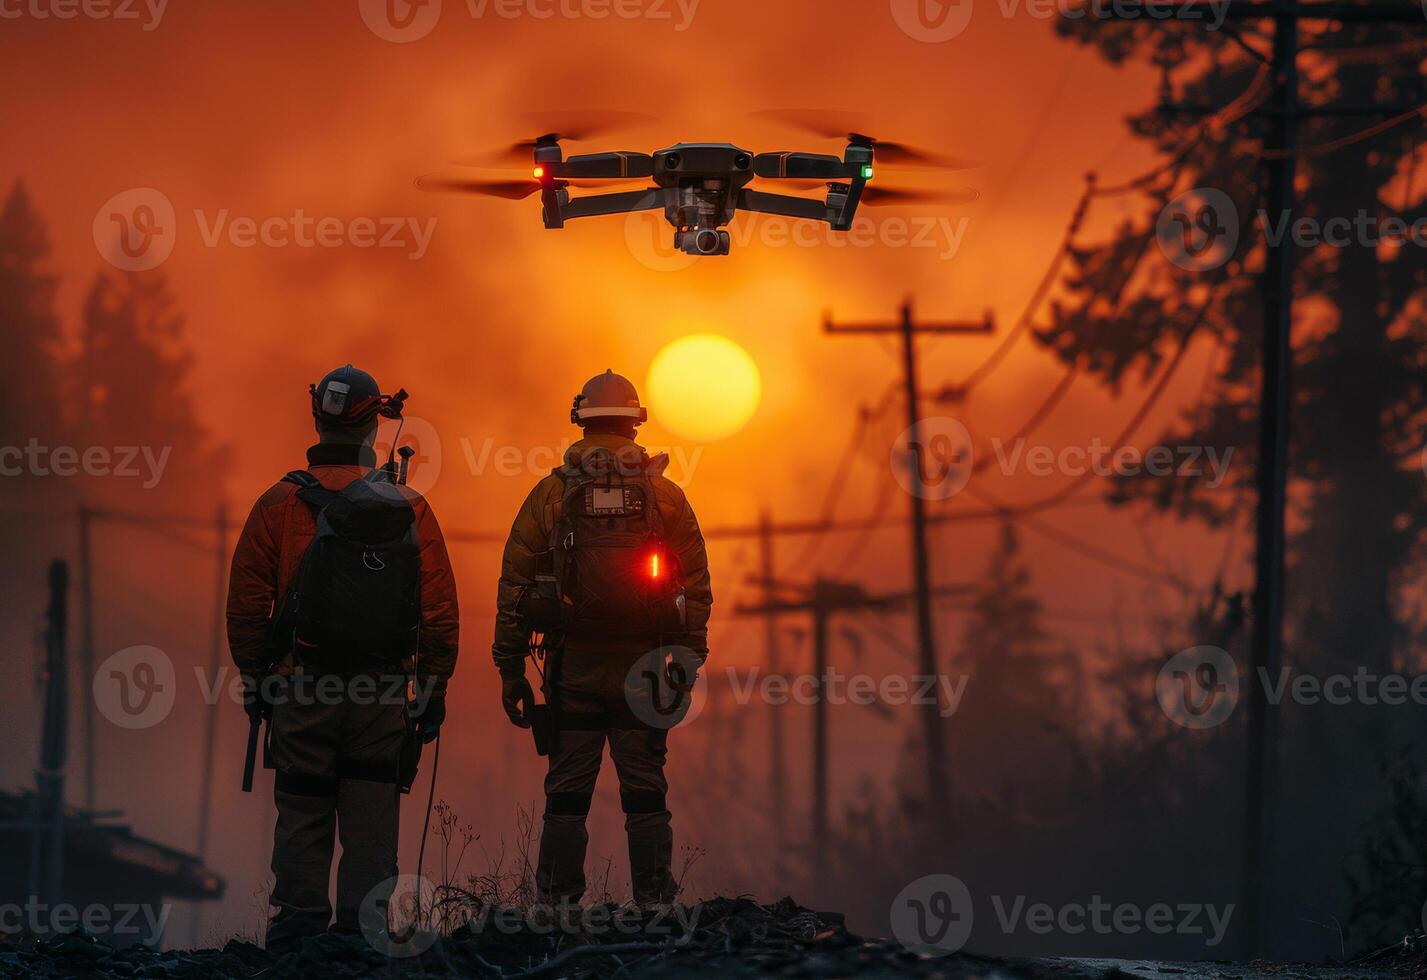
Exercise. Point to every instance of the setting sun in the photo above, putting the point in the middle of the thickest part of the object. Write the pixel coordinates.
(704, 387)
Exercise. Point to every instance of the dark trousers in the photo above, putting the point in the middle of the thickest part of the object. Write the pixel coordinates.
(594, 710)
(337, 771)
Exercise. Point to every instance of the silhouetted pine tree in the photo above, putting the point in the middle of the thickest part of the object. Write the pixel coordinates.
(131, 389)
(29, 393)
(1357, 490)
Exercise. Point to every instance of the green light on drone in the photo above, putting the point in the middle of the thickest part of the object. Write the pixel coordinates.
(867, 172)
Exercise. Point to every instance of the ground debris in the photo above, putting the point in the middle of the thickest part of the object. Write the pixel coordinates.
(730, 937)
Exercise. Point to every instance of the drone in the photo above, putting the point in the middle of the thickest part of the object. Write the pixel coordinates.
(701, 186)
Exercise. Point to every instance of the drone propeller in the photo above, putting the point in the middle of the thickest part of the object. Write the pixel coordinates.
(822, 123)
(577, 126)
(898, 154)
(883, 197)
(853, 127)
(510, 188)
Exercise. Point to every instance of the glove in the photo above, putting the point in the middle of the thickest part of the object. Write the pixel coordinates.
(428, 716)
(516, 697)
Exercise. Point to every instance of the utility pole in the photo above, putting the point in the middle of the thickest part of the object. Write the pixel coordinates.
(776, 773)
(47, 826)
(1283, 113)
(908, 330)
(86, 647)
(823, 599)
(215, 663)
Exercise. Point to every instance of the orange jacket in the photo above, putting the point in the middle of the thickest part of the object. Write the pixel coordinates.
(274, 539)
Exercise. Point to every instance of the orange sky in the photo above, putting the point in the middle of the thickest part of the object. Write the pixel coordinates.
(259, 109)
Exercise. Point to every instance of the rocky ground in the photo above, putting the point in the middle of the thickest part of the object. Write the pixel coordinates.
(730, 938)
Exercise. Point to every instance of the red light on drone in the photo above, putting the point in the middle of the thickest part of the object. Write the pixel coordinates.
(539, 172)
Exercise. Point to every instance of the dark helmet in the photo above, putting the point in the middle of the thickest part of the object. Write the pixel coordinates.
(607, 396)
(349, 397)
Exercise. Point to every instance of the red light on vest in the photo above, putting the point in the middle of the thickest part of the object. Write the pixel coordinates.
(655, 568)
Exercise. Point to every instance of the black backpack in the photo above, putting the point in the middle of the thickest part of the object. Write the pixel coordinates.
(614, 572)
(355, 604)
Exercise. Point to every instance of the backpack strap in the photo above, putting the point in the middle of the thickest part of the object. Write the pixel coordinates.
(303, 479)
(310, 489)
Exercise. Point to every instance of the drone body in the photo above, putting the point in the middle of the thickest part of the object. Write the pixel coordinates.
(701, 186)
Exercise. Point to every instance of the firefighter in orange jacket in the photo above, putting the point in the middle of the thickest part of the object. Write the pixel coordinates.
(337, 748)
(604, 641)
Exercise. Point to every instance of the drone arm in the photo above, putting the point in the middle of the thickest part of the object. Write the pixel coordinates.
(785, 205)
(623, 202)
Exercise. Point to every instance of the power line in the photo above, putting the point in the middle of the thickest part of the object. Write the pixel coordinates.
(1331, 146)
(1140, 414)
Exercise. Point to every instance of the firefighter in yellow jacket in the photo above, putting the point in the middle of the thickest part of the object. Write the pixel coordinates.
(606, 562)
